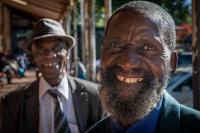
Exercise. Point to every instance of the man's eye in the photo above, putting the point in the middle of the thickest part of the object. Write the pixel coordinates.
(58, 49)
(148, 47)
(116, 44)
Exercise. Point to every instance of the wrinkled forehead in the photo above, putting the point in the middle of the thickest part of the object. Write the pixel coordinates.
(132, 19)
(151, 14)
(129, 15)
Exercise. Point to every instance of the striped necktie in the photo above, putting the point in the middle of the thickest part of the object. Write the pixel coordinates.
(60, 120)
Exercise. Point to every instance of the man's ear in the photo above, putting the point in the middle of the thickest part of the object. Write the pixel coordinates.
(173, 61)
(68, 54)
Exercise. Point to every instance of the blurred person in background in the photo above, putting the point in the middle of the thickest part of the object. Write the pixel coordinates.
(56, 102)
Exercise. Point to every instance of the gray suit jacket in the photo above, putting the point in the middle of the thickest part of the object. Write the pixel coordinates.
(20, 109)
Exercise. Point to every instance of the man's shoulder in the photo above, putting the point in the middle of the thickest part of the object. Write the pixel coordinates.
(17, 94)
(185, 112)
(189, 120)
(11, 102)
(176, 117)
(190, 117)
(84, 84)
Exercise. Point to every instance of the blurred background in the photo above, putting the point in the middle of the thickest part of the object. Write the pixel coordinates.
(86, 20)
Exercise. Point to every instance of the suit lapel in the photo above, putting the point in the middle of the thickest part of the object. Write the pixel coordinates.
(102, 126)
(32, 108)
(170, 115)
(80, 101)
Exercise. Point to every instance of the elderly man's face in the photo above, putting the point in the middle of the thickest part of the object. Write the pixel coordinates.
(49, 55)
(135, 66)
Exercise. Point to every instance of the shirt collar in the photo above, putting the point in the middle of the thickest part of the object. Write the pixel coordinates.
(146, 125)
(62, 87)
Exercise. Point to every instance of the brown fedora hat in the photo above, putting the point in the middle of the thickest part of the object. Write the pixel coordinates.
(45, 28)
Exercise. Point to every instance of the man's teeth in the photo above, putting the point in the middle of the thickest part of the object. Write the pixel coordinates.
(50, 64)
(129, 80)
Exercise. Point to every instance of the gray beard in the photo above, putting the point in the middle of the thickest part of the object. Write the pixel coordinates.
(142, 101)
(127, 112)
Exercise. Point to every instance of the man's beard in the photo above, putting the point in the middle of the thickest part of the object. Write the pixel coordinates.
(141, 100)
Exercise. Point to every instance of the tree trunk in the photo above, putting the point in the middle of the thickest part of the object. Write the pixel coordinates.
(196, 51)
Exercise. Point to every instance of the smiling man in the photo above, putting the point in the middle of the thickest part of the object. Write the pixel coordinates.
(56, 103)
(138, 58)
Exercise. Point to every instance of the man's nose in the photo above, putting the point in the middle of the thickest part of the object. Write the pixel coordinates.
(130, 60)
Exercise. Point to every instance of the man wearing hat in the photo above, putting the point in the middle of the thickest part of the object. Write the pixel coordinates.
(56, 102)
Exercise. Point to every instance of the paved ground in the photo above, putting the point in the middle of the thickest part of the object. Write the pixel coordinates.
(17, 82)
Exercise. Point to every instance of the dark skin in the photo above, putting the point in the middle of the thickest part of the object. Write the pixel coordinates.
(135, 45)
(49, 55)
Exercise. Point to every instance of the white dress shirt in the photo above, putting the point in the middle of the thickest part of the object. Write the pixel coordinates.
(47, 106)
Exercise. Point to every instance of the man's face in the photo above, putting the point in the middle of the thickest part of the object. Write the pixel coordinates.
(135, 66)
(49, 55)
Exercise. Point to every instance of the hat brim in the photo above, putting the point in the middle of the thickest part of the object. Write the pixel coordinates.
(69, 39)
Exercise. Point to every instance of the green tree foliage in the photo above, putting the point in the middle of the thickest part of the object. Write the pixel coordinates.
(100, 10)
(100, 13)
(179, 9)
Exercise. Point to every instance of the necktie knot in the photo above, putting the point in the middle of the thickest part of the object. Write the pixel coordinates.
(57, 96)
(54, 93)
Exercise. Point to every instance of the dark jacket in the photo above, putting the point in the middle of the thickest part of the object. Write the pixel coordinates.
(174, 118)
(20, 109)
